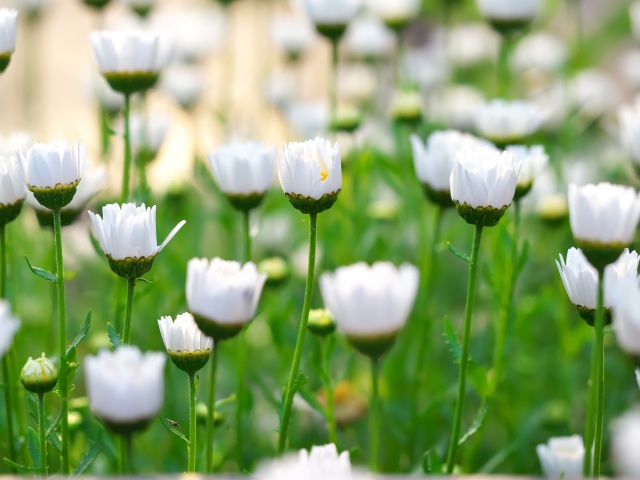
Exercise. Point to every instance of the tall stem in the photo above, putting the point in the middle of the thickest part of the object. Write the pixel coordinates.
(590, 420)
(247, 235)
(62, 343)
(125, 460)
(126, 334)
(42, 434)
(192, 423)
(502, 67)
(510, 276)
(374, 415)
(473, 265)
(3, 261)
(124, 197)
(105, 139)
(599, 325)
(331, 416)
(211, 405)
(333, 93)
(8, 401)
(297, 356)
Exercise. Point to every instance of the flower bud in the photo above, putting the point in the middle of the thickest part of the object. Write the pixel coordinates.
(39, 375)
(321, 322)
(202, 413)
(347, 120)
(276, 269)
(406, 107)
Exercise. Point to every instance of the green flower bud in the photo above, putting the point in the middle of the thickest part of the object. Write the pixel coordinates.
(5, 58)
(202, 414)
(39, 375)
(321, 322)
(8, 213)
(276, 269)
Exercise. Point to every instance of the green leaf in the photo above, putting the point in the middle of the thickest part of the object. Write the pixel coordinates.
(431, 464)
(476, 425)
(34, 447)
(94, 451)
(54, 423)
(42, 273)
(452, 340)
(18, 467)
(311, 399)
(82, 333)
(230, 399)
(32, 403)
(144, 280)
(458, 253)
(300, 381)
(174, 430)
(477, 374)
(116, 341)
(522, 259)
(54, 440)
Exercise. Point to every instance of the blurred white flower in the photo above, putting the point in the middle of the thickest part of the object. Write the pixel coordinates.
(329, 13)
(367, 38)
(293, 35)
(396, 12)
(127, 52)
(593, 93)
(625, 298)
(223, 292)
(580, 278)
(310, 169)
(634, 15)
(508, 10)
(561, 457)
(107, 97)
(471, 43)
(12, 188)
(14, 142)
(9, 325)
(406, 105)
(8, 30)
(629, 68)
(125, 387)
(484, 177)
(605, 214)
(434, 160)
(426, 66)
(321, 463)
(542, 51)
(505, 122)
(625, 436)
(532, 161)
(455, 106)
(185, 83)
(309, 118)
(53, 164)
(357, 83)
(243, 168)
(629, 121)
(183, 335)
(280, 90)
(148, 132)
(129, 231)
(31, 7)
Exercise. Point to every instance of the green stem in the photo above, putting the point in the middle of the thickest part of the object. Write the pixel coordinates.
(124, 197)
(3, 261)
(241, 368)
(331, 416)
(333, 93)
(590, 420)
(473, 265)
(599, 325)
(42, 435)
(247, 235)
(192, 423)
(125, 460)
(6, 373)
(502, 67)
(126, 335)
(510, 277)
(374, 415)
(105, 139)
(211, 406)
(297, 356)
(62, 343)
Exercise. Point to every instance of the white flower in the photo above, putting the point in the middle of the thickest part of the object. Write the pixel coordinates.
(52, 164)
(509, 10)
(310, 169)
(580, 278)
(183, 335)
(369, 301)
(8, 30)
(321, 463)
(593, 92)
(107, 97)
(128, 231)
(629, 119)
(625, 437)
(125, 386)
(634, 14)
(12, 187)
(604, 213)
(542, 51)
(331, 12)
(223, 291)
(184, 83)
(308, 118)
(15, 141)
(507, 121)
(292, 35)
(426, 66)
(471, 43)
(561, 457)
(638, 376)
(357, 83)
(629, 66)
(625, 298)
(455, 106)
(243, 168)
(368, 38)
(396, 11)
(148, 132)
(532, 161)
(128, 52)
(434, 161)
(484, 177)
(9, 325)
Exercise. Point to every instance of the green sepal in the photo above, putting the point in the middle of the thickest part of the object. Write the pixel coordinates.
(190, 362)
(128, 83)
(522, 191)
(8, 213)
(600, 254)
(97, 4)
(5, 59)
(67, 217)
(131, 267)
(481, 216)
(55, 198)
(217, 330)
(589, 315)
(441, 198)
(245, 202)
(142, 12)
(333, 32)
(374, 346)
(312, 205)
(509, 27)
(127, 428)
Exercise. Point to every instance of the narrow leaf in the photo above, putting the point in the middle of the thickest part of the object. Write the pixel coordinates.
(115, 339)
(311, 399)
(476, 425)
(95, 243)
(458, 253)
(431, 463)
(94, 451)
(452, 340)
(42, 273)
(34, 447)
(82, 333)
(174, 430)
(18, 467)
(54, 423)
(54, 440)
(230, 399)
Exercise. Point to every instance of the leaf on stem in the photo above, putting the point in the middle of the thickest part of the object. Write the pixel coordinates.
(81, 334)
(34, 447)
(230, 399)
(96, 448)
(144, 280)
(522, 258)
(18, 467)
(54, 423)
(476, 425)
(115, 339)
(477, 374)
(431, 463)
(42, 272)
(311, 399)
(458, 253)
(174, 430)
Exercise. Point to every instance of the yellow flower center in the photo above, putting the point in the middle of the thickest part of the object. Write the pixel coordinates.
(324, 175)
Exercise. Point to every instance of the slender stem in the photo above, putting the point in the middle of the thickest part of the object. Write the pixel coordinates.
(247, 235)
(6, 373)
(374, 415)
(126, 335)
(128, 443)
(590, 420)
(62, 343)
(473, 265)
(192, 423)
(122, 458)
(3, 261)
(127, 151)
(599, 325)
(297, 356)
(333, 93)
(331, 416)
(241, 368)
(510, 277)
(42, 434)
(105, 139)
(143, 184)
(502, 67)
(579, 28)
(211, 406)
